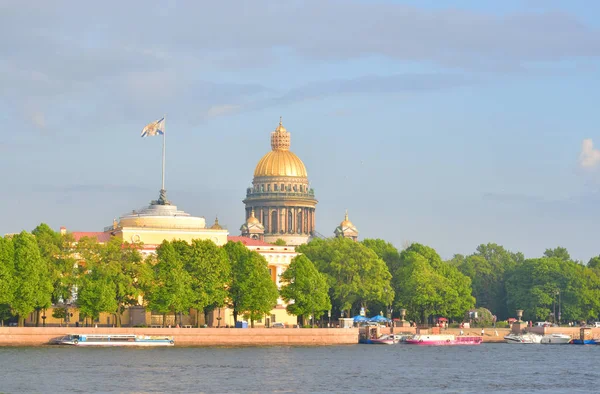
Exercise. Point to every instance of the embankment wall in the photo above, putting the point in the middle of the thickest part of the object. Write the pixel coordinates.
(39, 336)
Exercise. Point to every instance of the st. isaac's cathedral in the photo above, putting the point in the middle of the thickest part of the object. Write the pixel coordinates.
(280, 205)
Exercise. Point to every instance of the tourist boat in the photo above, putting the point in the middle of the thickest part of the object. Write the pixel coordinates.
(523, 338)
(556, 339)
(444, 340)
(387, 339)
(114, 340)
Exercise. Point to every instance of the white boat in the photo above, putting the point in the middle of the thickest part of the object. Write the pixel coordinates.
(114, 340)
(523, 338)
(556, 339)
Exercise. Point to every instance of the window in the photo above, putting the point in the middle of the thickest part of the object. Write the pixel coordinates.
(282, 187)
(273, 319)
(269, 187)
(275, 187)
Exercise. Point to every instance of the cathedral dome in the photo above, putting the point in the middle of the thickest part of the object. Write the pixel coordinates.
(346, 223)
(280, 161)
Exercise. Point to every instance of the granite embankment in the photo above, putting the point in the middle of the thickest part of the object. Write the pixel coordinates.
(39, 336)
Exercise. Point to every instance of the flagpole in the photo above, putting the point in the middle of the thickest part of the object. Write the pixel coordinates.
(163, 151)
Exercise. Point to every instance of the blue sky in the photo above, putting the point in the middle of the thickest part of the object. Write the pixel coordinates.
(446, 123)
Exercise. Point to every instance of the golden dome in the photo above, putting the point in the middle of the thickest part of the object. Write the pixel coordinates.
(280, 161)
(346, 223)
(252, 219)
(216, 225)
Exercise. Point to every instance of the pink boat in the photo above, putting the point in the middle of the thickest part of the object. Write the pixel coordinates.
(443, 340)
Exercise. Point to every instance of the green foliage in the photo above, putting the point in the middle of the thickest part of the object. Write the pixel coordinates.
(428, 286)
(534, 286)
(356, 275)
(7, 270)
(487, 268)
(171, 288)
(59, 313)
(210, 271)
(32, 284)
(502, 324)
(484, 317)
(558, 252)
(55, 250)
(306, 288)
(279, 242)
(123, 263)
(252, 292)
(594, 263)
(385, 251)
(261, 295)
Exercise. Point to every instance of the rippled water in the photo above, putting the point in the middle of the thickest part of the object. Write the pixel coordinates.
(489, 368)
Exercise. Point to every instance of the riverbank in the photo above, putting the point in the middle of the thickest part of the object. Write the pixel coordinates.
(40, 336)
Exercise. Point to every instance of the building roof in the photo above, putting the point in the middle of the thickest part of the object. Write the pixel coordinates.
(100, 236)
(249, 241)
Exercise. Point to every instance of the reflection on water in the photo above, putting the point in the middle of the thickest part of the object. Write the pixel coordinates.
(354, 369)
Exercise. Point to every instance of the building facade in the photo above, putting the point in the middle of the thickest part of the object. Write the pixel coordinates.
(280, 197)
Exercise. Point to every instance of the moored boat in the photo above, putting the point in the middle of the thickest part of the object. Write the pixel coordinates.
(114, 340)
(556, 339)
(388, 339)
(444, 340)
(579, 341)
(526, 337)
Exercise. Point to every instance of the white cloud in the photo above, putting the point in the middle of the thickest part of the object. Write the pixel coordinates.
(589, 157)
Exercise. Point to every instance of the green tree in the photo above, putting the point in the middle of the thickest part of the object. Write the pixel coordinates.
(558, 252)
(122, 261)
(356, 275)
(279, 242)
(33, 287)
(262, 293)
(428, 286)
(534, 286)
(252, 292)
(171, 287)
(305, 289)
(7, 270)
(210, 270)
(56, 252)
(487, 268)
(97, 293)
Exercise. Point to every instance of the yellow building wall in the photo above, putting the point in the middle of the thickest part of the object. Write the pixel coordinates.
(105, 319)
(156, 237)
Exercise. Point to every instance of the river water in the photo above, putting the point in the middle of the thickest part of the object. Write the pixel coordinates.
(489, 368)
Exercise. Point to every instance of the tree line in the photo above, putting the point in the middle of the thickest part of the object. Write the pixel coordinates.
(44, 268)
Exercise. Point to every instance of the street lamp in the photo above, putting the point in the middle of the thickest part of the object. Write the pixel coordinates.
(558, 293)
(329, 316)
